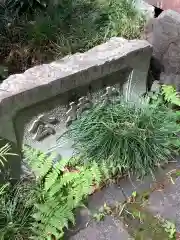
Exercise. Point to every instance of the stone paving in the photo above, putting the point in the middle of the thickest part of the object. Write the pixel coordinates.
(164, 200)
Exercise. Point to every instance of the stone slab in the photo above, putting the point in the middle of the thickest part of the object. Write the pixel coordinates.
(119, 193)
(30, 101)
(166, 203)
(72, 74)
(109, 229)
(45, 81)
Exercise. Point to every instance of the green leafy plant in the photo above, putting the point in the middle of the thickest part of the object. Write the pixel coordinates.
(4, 153)
(99, 216)
(178, 173)
(22, 6)
(170, 94)
(170, 228)
(131, 138)
(61, 190)
(69, 26)
(15, 216)
(102, 212)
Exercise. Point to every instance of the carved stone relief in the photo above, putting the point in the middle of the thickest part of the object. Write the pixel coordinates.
(86, 102)
(42, 127)
(110, 92)
(71, 113)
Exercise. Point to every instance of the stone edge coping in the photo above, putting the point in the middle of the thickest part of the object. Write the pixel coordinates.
(48, 80)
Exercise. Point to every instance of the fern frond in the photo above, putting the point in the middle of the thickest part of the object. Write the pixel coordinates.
(53, 230)
(51, 178)
(59, 193)
(60, 165)
(96, 173)
(45, 166)
(68, 178)
(104, 171)
(170, 95)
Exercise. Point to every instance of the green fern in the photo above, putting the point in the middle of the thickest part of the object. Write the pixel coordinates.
(170, 94)
(60, 191)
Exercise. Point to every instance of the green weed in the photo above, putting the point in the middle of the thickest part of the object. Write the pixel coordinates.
(170, 95)
(102, 213)
(170, 228)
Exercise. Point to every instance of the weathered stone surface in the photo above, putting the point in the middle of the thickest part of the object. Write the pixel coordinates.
(43, 82)
(164, 35)
(70, 72)
(48, 80)
(109, 229)
(165, 203)
(29, 101)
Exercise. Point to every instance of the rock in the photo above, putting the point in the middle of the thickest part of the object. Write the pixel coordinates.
(164, 35)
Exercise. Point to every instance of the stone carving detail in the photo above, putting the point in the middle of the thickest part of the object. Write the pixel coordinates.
(42, 127)
(84, 103)
(71, 113)
(110, 92)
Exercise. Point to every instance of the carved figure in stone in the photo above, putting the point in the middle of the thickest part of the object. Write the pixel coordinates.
(71, 113)
(43, 131)
(84, 104)
(42, 127)
(35, 124)
(110, 91)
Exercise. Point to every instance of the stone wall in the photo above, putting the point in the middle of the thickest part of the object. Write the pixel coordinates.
(37, 105)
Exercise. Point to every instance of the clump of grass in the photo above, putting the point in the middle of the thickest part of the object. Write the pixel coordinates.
(15, 216)
(133, 139)
(63, 28)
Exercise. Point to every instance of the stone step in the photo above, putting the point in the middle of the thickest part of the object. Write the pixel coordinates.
(108, 229)
(164, 203)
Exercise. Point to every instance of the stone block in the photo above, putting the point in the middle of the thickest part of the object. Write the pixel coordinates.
(37, 105)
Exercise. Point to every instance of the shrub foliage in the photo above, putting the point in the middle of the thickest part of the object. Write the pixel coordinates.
(170, 95)
(60, 191)
(32, 32)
